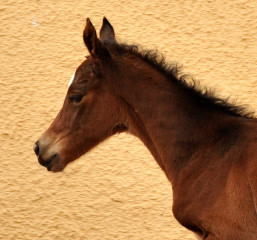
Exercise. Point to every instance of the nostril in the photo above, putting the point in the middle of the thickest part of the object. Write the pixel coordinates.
(36, 148)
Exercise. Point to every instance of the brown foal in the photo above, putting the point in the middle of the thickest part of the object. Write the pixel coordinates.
(206, 147)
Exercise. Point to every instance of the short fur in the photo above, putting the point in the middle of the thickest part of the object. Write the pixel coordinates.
(206, 147)
(175, 73)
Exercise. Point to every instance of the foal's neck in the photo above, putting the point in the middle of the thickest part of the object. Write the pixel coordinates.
(171, 122)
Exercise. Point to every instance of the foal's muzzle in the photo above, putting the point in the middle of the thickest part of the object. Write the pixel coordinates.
(50, 161)
(36, 148)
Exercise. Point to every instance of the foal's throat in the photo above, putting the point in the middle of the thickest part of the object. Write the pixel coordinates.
(161, 117)
(173, 124)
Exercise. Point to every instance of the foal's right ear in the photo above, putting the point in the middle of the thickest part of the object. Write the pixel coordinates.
(94, 45)
(107, 31)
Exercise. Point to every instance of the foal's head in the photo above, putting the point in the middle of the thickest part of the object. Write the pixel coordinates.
(90, 113)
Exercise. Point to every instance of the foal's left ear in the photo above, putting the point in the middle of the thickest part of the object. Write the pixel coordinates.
(94, 45)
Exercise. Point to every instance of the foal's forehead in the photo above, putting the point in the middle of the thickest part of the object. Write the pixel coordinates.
(83, 68)
(72, 78)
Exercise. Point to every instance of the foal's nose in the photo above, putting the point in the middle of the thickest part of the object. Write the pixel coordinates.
(45, 158)
(36, 148)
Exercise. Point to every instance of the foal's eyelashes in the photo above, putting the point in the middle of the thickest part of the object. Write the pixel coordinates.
(76, 98)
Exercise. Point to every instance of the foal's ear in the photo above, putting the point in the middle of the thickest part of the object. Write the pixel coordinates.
(107, 31)
(94, 45)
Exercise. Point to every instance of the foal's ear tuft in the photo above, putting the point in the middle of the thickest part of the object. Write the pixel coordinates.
(90, 39)
(107, 31)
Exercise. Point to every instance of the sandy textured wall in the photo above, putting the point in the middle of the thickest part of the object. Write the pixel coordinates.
(117, 191)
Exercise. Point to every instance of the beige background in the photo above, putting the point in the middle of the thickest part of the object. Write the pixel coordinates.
(117, 191)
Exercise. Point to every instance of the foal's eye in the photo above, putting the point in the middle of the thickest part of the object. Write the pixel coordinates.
(76, 98)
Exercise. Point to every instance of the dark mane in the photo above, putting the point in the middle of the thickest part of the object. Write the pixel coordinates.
(174, 72)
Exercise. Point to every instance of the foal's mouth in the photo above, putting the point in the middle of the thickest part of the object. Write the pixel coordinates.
(52, 163)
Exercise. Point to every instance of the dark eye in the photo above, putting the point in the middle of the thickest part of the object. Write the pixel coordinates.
(76, 98)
